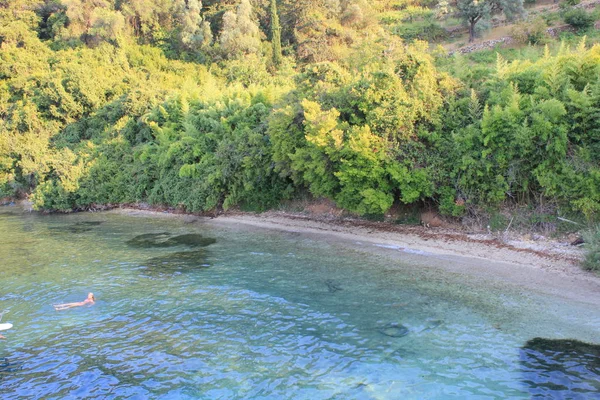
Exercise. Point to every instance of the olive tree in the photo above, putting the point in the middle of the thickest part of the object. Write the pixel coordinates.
(473, 11)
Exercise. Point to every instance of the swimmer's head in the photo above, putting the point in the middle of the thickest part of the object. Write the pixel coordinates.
(91, 296)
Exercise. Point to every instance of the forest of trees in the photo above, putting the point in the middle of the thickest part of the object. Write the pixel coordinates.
(205, 105)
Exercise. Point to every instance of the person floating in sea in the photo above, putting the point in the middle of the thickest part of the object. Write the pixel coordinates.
(90, 300)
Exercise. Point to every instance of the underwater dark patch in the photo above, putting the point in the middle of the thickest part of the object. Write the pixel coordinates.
(432, 324)
(150, 240)
(561, 368)
(78, 227)
(332, 286)
(165, 239)
(7, 366)
(184, 261)
(192, 239)
(71, 228)
(89, 223)
(394, 330)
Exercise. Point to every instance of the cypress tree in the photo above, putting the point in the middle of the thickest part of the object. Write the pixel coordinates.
(275, 34)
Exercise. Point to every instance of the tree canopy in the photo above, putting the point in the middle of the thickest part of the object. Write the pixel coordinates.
(474, 11)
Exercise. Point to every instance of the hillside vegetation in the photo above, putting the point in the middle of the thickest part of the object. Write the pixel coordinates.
(213, 104)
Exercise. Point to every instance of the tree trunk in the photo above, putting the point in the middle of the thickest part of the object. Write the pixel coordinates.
(472, 31)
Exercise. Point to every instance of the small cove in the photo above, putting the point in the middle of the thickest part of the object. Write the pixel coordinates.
(253, 313)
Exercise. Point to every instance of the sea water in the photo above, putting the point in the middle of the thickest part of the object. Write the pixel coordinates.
(258, 314)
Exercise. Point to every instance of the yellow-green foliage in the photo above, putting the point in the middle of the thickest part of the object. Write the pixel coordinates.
(106, 111)
(537, 136)
(59, 97)
(531, 31)
(346, 133)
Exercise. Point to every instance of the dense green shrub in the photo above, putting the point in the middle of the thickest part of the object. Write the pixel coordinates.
(532, 32)
(578, 18)
(535, 137)
(591, 261)
(349, 135)
(428, 30)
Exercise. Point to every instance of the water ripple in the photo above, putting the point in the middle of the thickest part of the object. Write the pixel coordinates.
(243, 319)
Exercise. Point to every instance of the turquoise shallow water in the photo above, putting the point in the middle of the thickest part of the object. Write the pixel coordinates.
(264, 314)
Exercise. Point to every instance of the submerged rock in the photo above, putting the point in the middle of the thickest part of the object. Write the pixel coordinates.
(183, 261)
(78, 227)
(9, 366)
(192, 239)
(332, 286)
(149, 240)
(394, 330)
(561, 368)
(71, 229)
(432, 324)
(165, 239)
(89, 223)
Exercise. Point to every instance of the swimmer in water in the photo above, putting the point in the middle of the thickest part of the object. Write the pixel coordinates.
(90, 300)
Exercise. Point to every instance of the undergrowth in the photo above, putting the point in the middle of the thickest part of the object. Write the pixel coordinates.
(592, 246)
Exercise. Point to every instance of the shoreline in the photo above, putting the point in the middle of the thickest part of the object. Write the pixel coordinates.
(543, 265)
(547, 267)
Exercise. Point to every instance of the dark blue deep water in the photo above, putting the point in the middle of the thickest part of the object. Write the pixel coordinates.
(262, 314)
